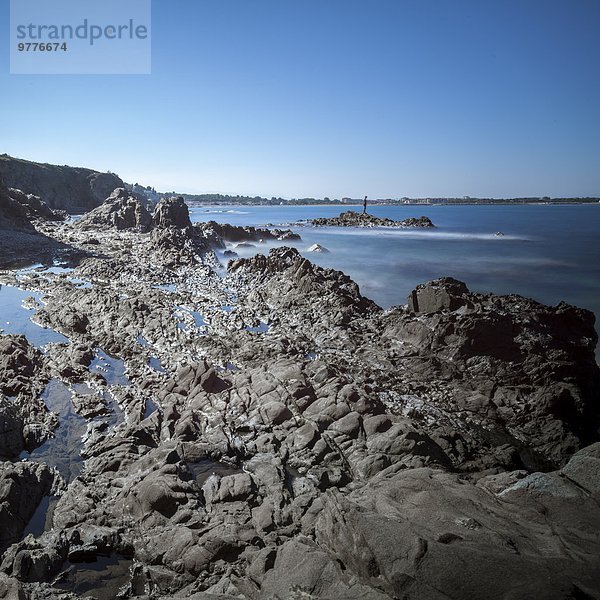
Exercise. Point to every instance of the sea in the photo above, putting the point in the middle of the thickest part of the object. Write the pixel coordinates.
(546, 252)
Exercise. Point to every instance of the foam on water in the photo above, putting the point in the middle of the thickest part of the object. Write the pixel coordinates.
(416, 233)
(218, 212)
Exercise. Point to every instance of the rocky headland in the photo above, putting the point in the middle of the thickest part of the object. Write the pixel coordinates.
(73, 189)
(351, 218)
(266, 432)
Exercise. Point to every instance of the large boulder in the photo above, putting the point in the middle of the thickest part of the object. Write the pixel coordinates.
(446, 293)
(172, 212)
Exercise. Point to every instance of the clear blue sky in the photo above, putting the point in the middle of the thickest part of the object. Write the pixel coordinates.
(296, 98)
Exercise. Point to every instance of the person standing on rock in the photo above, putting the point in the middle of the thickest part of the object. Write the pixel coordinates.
(365, 206)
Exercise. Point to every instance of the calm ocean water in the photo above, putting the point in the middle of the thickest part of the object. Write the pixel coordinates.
(549, 253)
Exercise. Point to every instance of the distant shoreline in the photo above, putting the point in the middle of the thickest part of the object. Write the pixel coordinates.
(193, 204)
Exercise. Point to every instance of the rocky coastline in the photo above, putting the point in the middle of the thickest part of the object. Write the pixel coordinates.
(264, 431)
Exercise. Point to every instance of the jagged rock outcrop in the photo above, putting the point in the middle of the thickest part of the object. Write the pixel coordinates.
(36, 207)
(318, 248)
(351, 218)
(175, 240)
(518, 368)
(233, 233)
(73, 189)
(174, 247)
(13, 214)
(172, 212)
(121, 210)
(288, 282)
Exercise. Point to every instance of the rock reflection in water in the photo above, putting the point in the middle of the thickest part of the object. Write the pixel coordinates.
(15, 318)
(203, 468)
(42, 517)
(101, 579)
(150, 407)
(262, 327)
(112, 369)
(63, 450)
(155, 364)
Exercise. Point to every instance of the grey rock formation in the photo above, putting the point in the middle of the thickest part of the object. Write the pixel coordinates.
(13, 214)
(290, 279)
(232, 233)
(121, 210)
(351, 218)
(36, 207)
(172, 212)
(11, 588)
(25, 421)
(540, 359)
(385, 536)
(20, 241)
(446, 293)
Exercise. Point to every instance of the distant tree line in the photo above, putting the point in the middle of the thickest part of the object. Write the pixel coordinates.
(215, 199)
(249, 200)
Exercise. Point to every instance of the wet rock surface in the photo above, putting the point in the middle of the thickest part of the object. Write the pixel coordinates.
(351, 218)
(297, 440)
(22, 487)
(25, 422)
